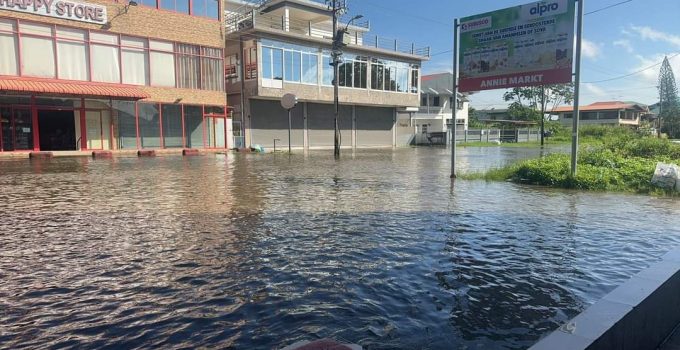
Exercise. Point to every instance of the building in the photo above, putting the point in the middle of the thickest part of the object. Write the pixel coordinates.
(109, 75)
(283, 46)
(493, 114)
(436, 103)
(606, 113)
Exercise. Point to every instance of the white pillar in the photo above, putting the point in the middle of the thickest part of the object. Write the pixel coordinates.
(286, 19)
(354, 126)
(305, 135)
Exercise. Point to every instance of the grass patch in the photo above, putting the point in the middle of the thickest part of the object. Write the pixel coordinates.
(616, 161)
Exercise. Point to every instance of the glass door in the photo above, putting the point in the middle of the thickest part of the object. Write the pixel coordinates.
(216, 132)
(23, 129)
(93, 122)
(6, 142)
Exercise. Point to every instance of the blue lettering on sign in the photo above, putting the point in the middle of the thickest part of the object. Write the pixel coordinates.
(542, 9)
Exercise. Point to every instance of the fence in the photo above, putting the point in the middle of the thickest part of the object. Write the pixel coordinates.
(480, 135)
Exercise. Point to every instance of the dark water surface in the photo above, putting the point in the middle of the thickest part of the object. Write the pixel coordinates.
(260, 251)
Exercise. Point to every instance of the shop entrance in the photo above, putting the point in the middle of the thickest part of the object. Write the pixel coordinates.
(57, 130)
(16, 129)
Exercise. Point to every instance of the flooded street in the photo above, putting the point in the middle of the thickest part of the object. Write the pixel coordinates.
(250, 251)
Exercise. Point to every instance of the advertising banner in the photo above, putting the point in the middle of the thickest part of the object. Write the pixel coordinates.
(524, 45)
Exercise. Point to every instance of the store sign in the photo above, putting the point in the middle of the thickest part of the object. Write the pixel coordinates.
(71, 10)
(525, 45)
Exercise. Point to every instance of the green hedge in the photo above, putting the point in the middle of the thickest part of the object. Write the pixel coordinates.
(622, 162)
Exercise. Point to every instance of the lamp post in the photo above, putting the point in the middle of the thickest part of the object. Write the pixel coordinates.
(336, 53)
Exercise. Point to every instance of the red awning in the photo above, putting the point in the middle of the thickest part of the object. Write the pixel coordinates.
(34, 85)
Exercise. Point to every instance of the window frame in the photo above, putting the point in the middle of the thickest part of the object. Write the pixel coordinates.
(116, 44)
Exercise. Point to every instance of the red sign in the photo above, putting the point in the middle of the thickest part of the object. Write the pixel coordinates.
(544, 77)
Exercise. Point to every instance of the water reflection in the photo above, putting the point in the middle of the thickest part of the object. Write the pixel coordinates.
(260, 251)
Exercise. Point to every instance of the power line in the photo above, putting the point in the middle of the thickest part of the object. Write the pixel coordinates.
(631, 74)
(608, 7)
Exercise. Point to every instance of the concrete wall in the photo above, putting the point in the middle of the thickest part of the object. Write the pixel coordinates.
(640, 314)
(319, 93)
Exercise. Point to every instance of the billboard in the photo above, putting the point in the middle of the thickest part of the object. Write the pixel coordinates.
(524, 45)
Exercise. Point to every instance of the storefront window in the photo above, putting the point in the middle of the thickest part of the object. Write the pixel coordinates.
(163, 66)
(124, 117)
(135, 61)
(193, 126)
(105, 62)
(188, 66)
(212, 69)
(38, 50)
(108, 58)
(9, 48)
(149, 125)
(72, 54)
(172, 125)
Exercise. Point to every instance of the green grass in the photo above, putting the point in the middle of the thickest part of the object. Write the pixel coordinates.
(614, 161)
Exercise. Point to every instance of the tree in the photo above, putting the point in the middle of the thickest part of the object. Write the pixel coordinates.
(669, 113)
(473, 119)
(532, 103)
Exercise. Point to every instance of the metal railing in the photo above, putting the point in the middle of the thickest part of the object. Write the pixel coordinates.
(250, 20)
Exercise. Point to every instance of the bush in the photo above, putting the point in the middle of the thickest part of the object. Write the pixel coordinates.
(624, 162)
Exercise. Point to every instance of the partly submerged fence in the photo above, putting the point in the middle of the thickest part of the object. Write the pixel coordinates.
(479, 135)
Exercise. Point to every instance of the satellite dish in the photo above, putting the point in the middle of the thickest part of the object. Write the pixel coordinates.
(288, 101)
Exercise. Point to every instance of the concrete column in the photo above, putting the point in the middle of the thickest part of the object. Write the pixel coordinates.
(354, 126)
(286, 20)
(305, 136)
(394, 128)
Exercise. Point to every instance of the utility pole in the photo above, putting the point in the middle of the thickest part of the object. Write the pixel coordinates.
(542, 114)
(336, 53)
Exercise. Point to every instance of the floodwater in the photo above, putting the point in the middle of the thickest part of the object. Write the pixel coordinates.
(251, 251)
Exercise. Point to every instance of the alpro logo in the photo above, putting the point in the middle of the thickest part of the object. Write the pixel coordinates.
(475, 24)
(544, 9)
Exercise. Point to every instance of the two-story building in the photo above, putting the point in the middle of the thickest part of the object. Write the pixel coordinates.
(109, 75)
(606, 113)
(436, 107)
(284, 46)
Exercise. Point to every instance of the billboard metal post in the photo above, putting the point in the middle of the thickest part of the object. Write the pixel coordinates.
(577, 89)
(454, 104)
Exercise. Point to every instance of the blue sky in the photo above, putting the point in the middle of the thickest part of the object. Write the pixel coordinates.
(618, 41)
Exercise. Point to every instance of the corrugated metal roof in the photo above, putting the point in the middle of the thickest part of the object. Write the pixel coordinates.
(36, 85)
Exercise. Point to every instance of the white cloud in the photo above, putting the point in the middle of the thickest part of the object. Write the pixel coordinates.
(625, 44)
(590, 49)
(595, 90)
(648, 33)
(651, 76)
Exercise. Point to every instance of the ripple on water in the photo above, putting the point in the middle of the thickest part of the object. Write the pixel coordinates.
(252, 252)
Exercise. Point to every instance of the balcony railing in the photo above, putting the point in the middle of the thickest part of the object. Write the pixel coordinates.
(250, 20)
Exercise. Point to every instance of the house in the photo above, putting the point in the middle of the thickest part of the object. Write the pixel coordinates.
(274, 47)
(109, 75)
(436, 103)
(493, 114)
(606, 113)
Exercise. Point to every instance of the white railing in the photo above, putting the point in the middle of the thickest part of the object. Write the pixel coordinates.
(250, 20)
